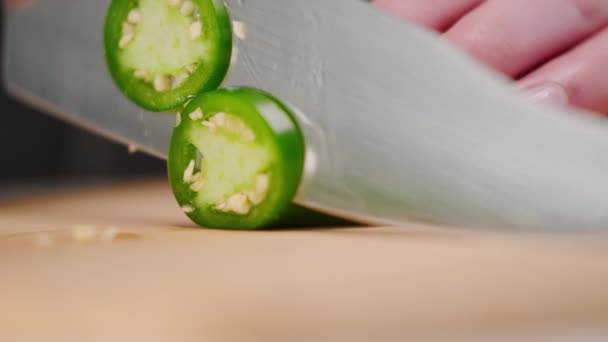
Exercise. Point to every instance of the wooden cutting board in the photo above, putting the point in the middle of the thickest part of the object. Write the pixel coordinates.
(157, 277)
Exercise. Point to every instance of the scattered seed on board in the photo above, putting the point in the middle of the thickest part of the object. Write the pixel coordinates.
(84, 233)
(109, 234)
(43, 240)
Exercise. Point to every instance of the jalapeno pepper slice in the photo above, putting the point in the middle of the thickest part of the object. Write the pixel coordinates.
(162, 52)
(236, 159)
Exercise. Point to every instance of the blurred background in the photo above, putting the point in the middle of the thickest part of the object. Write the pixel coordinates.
(38, 150)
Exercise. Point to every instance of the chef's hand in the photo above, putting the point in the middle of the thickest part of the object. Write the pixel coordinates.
(557, 50)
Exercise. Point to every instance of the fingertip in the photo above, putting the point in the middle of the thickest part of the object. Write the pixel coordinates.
(17, 4)
(515, 36)
(410, 12)
(547, 92)
(581, 72)
(437, 15)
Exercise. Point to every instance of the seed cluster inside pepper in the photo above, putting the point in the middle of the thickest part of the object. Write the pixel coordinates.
(136, 29)
(236, 142)
(236, 159)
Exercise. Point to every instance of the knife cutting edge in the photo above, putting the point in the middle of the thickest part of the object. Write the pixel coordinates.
(397, 125)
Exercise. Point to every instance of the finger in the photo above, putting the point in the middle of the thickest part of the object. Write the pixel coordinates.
(579, 77)
(515, 36)
(17, 4)
(434, 14)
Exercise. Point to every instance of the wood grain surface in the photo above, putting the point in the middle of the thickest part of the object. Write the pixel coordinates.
(155, 276)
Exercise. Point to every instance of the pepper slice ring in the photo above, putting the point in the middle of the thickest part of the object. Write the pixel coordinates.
(160, 53)
(236, 159)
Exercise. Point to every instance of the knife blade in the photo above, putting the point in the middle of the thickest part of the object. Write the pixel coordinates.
(399, 126)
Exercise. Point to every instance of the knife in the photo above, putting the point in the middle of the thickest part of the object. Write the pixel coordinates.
(398, 125)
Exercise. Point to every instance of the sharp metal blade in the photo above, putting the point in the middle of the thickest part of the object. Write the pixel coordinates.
(54, 60)
(399, 124)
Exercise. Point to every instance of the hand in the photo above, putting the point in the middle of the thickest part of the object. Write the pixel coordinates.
(557, 50)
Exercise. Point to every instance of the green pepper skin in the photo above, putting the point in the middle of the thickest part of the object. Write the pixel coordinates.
(207, 77)
(275, 128)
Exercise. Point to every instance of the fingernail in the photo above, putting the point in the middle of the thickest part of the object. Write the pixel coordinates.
(552, 93)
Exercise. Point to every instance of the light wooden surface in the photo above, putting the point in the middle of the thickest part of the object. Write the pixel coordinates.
(164, 280)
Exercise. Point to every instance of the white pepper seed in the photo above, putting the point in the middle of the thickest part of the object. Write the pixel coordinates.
(179, 79)
(128, 29)
(141, 75)
(212, 127)
(134, 16)
(162, 83)
(219, 119)
(221, 205)
(189, 171)
(187, 8)
(190, 68)
(125, 40)
(239, 29)
(258, 194)
(197, 177)
(247, 135)
(239, 204)
(196, 29)
(197, 186)
(197, 114)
